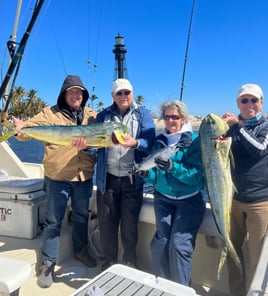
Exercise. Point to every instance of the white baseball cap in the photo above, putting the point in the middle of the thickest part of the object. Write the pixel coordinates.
(250, 89)
(120, 84)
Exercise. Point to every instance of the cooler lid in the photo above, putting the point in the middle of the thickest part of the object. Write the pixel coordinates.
(21, 185)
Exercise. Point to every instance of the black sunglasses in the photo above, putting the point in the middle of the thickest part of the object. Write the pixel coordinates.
(173, 117)
(126, 93)
(245, 100)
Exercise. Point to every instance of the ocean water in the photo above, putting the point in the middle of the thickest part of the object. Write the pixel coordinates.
(28, 151)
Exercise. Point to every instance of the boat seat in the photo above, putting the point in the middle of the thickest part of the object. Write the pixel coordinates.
(17, 185)
(13, 274)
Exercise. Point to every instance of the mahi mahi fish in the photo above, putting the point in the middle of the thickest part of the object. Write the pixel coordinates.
(97, 135)
(149, 161)
(216, 159)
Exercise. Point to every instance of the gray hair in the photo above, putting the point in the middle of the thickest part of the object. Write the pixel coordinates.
(178, 105)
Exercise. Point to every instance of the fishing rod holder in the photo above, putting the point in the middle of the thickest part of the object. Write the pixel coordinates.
(11, 45)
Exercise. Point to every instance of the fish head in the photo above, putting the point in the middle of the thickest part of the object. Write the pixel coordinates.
(119, 130)
(212, 127)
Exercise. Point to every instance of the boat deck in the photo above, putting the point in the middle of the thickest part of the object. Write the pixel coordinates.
(70, 274)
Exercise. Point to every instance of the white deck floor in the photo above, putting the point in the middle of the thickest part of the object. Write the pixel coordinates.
(70, 274)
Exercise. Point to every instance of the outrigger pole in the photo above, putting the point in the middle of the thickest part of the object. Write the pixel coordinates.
(12, 45)
(16, 59)
(186, 52)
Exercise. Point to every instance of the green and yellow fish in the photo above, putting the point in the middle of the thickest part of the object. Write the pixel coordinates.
(97, 135)
(217, 159)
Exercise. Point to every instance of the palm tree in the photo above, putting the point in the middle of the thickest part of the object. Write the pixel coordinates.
(100, 107)
(31, 99)
(92, 99)
(37, 106)
(140, 100)
(25, 108)
(17, 104)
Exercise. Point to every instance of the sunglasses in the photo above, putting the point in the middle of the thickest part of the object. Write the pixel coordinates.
(125, 93)
(245, 100)
(173, 117)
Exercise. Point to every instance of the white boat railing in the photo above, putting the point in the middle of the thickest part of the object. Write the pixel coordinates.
(260, 280)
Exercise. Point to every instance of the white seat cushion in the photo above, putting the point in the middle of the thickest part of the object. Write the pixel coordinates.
(13, 274)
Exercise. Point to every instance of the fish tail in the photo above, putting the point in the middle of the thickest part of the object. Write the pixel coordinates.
(222, 259)
(233, 254)
(7, 130)
(227, 248)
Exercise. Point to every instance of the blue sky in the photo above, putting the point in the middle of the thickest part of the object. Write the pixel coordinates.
(228, 47)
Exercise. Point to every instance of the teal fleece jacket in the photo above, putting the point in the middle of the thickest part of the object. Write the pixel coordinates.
(186, 176)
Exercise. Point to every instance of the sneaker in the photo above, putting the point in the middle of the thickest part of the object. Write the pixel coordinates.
(86, 258)
(45, 278)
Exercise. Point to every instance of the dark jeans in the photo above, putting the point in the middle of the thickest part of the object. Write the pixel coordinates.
(58, 193)
(119, 205)
(177, 223)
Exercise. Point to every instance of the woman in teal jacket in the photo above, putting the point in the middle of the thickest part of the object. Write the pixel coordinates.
(178, 203)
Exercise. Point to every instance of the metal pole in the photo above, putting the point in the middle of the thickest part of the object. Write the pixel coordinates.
(186, 52)
(12, 45)
(18, 56)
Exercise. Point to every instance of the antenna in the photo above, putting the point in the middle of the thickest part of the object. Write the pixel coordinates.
(186, 52)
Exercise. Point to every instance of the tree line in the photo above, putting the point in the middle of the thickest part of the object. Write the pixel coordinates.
(25, 104)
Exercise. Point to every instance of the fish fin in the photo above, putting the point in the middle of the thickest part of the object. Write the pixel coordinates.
(232, 163)
(231, 157)
(135, 168)
(227, 248)
(7, 130)
(235, 189)
(233, 254)
(161, 142)
(222, 258)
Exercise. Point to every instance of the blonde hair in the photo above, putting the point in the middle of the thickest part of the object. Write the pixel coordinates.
(178, 105)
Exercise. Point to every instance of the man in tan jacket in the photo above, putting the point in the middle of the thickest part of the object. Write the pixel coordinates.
(68, 173)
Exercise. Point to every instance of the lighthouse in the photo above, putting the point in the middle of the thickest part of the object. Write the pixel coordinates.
(120, 68)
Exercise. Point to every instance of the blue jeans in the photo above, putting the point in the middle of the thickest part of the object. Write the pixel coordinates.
(58, 193)
(177, 224)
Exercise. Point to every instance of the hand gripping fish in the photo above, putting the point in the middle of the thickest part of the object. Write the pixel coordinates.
(97, 135)
(149, 161)
(215, 151)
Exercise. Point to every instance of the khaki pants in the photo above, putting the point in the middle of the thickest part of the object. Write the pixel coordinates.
(249, 224)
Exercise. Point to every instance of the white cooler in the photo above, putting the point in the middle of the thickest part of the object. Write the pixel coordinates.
(22, 207)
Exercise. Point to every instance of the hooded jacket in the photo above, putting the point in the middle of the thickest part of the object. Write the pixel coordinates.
(186, 176)
(66, 163)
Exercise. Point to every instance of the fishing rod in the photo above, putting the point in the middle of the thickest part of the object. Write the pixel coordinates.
(186, 51)
(16, 59)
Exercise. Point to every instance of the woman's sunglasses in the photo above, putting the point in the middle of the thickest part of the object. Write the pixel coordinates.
(173, 117)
